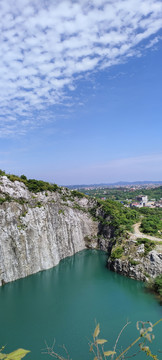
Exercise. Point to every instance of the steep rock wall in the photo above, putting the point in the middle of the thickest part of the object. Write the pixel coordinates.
(38, 230)
(135, 264)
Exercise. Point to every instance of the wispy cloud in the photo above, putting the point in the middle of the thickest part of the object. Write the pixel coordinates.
(46, 45)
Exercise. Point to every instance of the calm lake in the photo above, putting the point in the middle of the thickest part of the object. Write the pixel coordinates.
(65, 303)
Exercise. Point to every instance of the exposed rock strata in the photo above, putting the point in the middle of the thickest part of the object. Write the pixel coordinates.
(38, 230)
(135, 264)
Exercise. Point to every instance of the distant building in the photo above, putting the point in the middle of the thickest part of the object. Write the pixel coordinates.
(135, 204)
(143, 199)
(150, 204)
(158, 204)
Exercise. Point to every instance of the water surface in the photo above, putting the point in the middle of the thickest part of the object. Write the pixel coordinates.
(64, 303)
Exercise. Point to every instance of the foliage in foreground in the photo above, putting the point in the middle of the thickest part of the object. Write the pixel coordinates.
(97, 345)
(15, 355)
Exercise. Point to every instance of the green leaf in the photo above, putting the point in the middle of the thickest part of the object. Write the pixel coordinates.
(108, 353)
(17, 354)
(97, 331)
(2, 356)
(101, 341)
(91, 348)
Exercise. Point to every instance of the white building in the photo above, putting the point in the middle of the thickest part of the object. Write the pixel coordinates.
(143, 199)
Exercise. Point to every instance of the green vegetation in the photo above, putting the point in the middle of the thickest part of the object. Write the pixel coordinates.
(39, 185)
(148, 244)
(61, 211)
(117, 253)
(152, 221)
(78, 194)
(24, 213)
(2, 173)
(38, 204)
(120, 217)
(97, 345)
(134, 262)
(157, 285)
(15, 355)
(151, 218)
(112, 212)
(36, 186)
(32, 184)
(4, 199)
(124, 193)
(78, 207)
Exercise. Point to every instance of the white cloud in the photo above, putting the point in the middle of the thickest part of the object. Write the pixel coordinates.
(45, 44)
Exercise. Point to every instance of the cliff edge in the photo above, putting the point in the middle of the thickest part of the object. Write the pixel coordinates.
(41, 223)
(37, 230)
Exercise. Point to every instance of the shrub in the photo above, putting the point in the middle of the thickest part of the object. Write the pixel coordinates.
(2, 200)
(157, 286)
(78, 194)
(23, 177)
(13, 178)
(122, 218)
(148, 244)
(61, 211)
(39, 204)
(117, 253)
(133, 262)
(151, 224)
(2, 173)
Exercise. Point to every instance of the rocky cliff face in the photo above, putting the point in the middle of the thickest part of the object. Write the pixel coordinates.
(135, 263)
(38, 230)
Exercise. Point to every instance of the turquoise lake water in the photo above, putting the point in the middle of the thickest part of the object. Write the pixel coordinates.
(65, 303)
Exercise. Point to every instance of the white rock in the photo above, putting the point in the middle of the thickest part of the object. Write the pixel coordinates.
(36, 238)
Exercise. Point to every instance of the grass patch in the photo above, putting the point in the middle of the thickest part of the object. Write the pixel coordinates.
(148, 244)
(61, 211)
(117, 253)
(133, 262)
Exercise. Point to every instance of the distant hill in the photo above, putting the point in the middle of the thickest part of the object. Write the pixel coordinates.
(119, 183)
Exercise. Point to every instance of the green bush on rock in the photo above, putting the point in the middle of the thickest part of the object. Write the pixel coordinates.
(148, 244)
(117, 253)
(157, 285)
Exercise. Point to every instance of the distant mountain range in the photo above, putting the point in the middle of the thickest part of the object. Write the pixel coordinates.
(119, 183)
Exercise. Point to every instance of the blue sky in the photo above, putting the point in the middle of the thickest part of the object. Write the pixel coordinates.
(81, 90)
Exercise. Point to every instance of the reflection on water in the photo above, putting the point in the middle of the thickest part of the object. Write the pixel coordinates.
(64, 302)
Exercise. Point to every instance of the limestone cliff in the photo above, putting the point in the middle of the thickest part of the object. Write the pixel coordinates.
(134, 261)
(38, 230)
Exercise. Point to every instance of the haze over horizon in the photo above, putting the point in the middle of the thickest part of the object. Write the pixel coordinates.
(81, 90)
